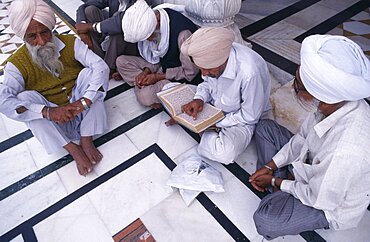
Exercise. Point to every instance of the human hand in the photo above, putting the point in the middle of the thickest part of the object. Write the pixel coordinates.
(193, 108)
(263, 171)
(148, 80)
(86, 38)
(140, 78)
(261, 183)
(84, 28)
(61, 114)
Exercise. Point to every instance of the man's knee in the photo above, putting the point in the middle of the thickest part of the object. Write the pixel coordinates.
(217, 150)
(263, 126)
(91, 12)
(261, 221)
(146, 97)
(122, 61)
(32, 96)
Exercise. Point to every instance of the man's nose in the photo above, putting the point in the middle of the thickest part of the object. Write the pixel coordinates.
(40, 40)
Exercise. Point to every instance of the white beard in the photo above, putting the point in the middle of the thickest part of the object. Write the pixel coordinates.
(46, 57)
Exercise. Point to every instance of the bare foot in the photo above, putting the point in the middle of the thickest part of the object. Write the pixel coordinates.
(170, 122)
(156, 105)
(90, 150)
(116, 76)
(83, 163)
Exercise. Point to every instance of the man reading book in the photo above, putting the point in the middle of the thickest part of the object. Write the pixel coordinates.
(236, 80)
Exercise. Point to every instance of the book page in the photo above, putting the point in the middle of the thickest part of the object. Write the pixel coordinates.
(178, 97)
(209, 116)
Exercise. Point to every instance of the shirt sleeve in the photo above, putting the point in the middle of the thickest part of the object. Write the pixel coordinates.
(99, 79)
(12, 85)
(187, 70)
(112, 25)
(252, 103)
(203, 92)
(291, 150)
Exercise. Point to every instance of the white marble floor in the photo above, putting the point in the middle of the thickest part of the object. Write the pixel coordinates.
(42, 197)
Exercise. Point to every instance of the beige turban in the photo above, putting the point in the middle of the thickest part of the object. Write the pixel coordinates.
(334, 69)
(209, 46)
(21, 13)
(138, 22)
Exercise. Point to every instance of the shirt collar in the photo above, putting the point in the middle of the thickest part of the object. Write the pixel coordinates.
(229, 71)
(327, 123)
(59, 43)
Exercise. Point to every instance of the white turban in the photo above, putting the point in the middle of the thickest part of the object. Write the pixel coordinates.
(334, 69)
(138, 22)
(21, 13)
(209, 47)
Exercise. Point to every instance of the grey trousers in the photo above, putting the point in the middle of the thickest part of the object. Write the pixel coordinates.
(280, 213)
(116, 46)
(131, 66)
(53, 136)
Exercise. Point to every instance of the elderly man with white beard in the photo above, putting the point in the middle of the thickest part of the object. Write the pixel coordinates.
(54, 84)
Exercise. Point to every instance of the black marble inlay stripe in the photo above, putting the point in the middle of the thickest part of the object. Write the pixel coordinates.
(275, 59)
(28, 180)
(19, 138)
(15, 140)
(275, 17)
(29, 235)
(221, 218)
(65, 16)
(336, 20)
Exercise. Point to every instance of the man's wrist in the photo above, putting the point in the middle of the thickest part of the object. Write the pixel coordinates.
(94, 27)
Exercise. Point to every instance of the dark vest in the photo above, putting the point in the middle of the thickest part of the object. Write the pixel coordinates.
(178, 23)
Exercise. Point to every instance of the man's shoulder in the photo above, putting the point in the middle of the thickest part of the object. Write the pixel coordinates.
(22, 52)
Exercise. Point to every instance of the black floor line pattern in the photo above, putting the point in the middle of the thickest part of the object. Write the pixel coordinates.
(26, 228)
(37, 175)
(336, 20)
(21, 137)
(275, 59)
(267, 21)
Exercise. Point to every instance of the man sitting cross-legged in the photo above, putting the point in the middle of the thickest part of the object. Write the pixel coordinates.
(54, 84)
(322, 173)
(159, 33)
(236, 80)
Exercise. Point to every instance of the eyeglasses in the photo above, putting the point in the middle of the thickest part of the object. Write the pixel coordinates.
(297, 89)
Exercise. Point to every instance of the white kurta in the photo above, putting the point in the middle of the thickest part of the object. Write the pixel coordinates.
(242, 92)
(331, 161)
(52, 135)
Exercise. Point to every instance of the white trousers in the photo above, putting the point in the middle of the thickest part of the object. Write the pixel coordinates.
(226, 145)
(53, 136)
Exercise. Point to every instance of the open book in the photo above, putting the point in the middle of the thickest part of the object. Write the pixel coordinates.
(174, 98)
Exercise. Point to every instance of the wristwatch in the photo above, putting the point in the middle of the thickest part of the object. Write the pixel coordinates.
(94, 27)
(84, 104)
(273, 179)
